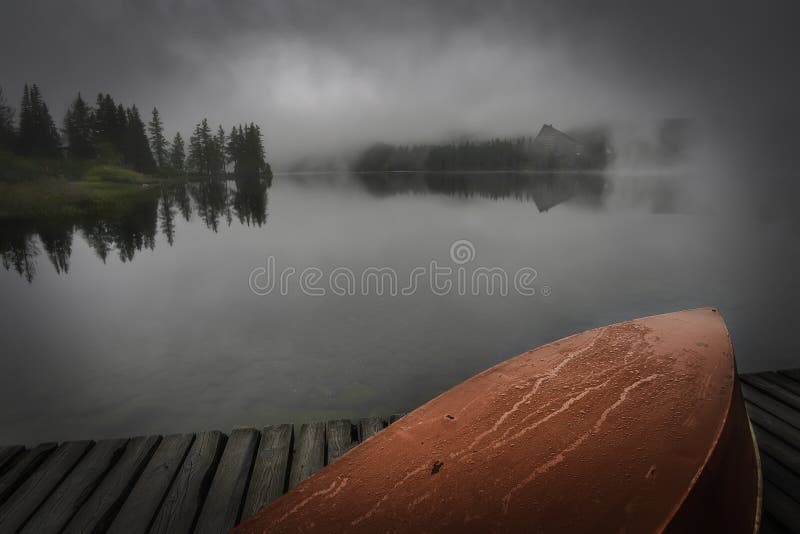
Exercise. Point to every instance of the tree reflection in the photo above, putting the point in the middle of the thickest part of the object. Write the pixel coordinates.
(18, 248)
(545, 190)
(135, 225)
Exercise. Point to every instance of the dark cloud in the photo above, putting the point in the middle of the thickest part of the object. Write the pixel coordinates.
(327, 75)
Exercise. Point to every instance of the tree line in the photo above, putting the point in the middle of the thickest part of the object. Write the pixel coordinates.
(515, 153)
(112, 133)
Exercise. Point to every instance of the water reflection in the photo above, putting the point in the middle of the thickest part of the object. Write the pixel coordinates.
(135, 225)
(545, 190)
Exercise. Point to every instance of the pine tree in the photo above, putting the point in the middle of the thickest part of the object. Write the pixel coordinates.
(158, 143)
(7, 134)
(37, 132)
(177, 157)
(79, 129)
(234, 144)
(246, 151)
(201, 150)
(219, 151)
(137, 146)
(25, 134)
(109, 129)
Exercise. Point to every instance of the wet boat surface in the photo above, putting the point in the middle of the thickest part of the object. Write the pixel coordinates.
(637, 426)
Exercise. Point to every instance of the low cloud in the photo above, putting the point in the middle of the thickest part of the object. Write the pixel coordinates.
(322, 77)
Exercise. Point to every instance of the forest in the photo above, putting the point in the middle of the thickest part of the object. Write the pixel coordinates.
(498, 154)
(105, 152)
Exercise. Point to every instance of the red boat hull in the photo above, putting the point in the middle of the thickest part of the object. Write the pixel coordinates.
(633, 427)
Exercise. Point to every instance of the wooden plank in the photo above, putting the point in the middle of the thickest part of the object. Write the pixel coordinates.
(223, 505)
(783, 381)
(781, 477)
(270, 472)
(773, 389)
(781, 507)
(8, 455)
(771, 405)
(308, 455)
(794, 374)
(142, 503)
(369, 427)
(771, 526)
(23, 502)
(62, 504)
(97, 512)
(185, 497)
(23, 467)
(780, 428)
(778, 449)
(340, 438)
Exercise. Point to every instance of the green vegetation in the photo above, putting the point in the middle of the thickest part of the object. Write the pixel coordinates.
(118, 175)
(103, 189)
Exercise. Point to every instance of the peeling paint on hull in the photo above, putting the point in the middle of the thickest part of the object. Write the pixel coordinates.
(633, 427)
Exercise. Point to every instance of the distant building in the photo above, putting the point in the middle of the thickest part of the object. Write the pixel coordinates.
(556, 147)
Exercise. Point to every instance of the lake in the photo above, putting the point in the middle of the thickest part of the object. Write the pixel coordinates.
(161, 321)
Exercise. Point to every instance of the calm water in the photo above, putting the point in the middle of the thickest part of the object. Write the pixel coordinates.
(147, 323)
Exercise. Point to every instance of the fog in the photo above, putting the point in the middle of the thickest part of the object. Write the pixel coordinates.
(324, 78)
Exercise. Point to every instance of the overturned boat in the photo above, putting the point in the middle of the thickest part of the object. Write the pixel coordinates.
(634, 427)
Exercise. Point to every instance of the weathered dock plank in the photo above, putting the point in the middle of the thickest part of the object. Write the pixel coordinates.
(140, 507)
(771, 526)
(794, 374)
(772, 424)
(781, 507)
(782, 381)
(225, 499)
(185, 497)
(308, 455)
(339, 437)
(35, 489)
(370, 426)
(270, 471)
(774, 390)
(778, 449)
(22, 468)
(8, 455)
(70, 494)
(771, 400)
(772, 405)
(780, 476)
(98, 511)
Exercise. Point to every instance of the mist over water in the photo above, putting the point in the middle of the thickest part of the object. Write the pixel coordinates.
(173, 339)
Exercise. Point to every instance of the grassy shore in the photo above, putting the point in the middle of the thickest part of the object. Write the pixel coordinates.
(99, 189)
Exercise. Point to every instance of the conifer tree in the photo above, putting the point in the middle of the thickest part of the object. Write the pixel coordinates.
(201, 150)
(219, 151)
(246, 151)
(158, 143)
(79, 129)
(37, 132)
(7, 134)
(177, 157)
(109, 129)
(137, 146)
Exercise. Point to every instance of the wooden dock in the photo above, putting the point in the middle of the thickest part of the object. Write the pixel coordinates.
(773, 404)
(208, 482)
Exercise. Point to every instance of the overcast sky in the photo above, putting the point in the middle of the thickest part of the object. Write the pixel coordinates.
(321, 75)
